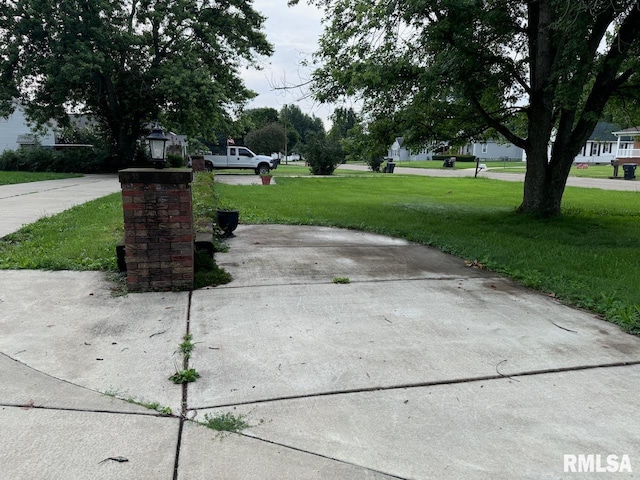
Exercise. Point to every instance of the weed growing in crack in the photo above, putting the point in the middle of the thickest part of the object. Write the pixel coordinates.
(119, 286)
(150, 405)
(187, 346)
(184, 376)
(226, 422)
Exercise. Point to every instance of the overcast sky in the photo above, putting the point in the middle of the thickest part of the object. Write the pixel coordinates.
(294, 33)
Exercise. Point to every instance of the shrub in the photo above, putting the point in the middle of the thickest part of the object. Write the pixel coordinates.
(375, 162)
(322, 154)
(39, 159)
(175, 161)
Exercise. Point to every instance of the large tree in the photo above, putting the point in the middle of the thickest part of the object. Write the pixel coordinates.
(538, 72)
(129, 62)
(266, 140)
(260, 117)
(294, 118)
(342, 120)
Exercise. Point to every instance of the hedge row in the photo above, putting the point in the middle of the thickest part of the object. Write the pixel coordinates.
(40, 159)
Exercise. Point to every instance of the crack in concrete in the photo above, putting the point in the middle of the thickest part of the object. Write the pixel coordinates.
(185, 396)
(373, 280)
(315, 454)
(35, 192)
(23, 406)
(404, 386)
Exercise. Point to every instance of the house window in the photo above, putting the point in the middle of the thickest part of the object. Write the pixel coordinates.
(484, 148)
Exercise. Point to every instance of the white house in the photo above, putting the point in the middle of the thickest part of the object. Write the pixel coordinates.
(601, 147)
(628, 145)
(400, 153)
(489, 150)
(15, 132)
(177, 144)
(492, 150)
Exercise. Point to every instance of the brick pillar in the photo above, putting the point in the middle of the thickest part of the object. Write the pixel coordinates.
(158, 228)
(197, 163)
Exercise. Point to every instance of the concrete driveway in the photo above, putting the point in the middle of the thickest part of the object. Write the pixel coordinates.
(25, 203)
(419, 368)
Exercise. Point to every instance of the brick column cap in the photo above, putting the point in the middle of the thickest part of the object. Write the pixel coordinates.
(154, 175)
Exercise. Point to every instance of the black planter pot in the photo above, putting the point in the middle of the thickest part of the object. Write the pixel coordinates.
(228, 221)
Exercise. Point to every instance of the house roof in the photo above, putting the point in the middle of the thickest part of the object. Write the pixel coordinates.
(604, 132)
(629, 131)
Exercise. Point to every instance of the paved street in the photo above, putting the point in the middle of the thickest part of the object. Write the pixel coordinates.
(603, 183)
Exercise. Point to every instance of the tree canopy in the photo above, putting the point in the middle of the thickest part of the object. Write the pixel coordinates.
(254, 118)
(293, 117)
(266, 140)
(129, 62)
(540, 73)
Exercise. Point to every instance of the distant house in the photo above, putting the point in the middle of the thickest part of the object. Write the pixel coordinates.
(601, 147)
(628, 145)
(489, 150)
(177, 144)
(400, 153)
(15, 132)
(493, 150)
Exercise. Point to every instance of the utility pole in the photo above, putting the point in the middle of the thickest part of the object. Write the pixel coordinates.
(286, 157)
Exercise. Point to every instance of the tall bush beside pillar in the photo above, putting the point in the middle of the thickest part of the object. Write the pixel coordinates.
(158, 227)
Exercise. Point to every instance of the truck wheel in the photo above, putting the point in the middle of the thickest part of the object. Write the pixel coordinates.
(208, 166)
(263, 169)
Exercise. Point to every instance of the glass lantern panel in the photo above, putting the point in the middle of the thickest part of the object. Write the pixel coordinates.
(157, 149)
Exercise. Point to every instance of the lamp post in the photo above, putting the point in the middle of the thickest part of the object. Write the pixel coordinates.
(157, 144)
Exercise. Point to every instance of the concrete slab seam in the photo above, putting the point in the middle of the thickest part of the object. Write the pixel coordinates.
(499, 376)
(315, 454)
(46, 190)
(82, 387)
(185, 396)
(229, 286)
(83, 410)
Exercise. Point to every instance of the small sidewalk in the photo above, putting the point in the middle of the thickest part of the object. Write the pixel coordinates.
(25, 203)
(419, 368)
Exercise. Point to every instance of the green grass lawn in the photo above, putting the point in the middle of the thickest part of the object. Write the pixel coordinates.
(590, 257)
(296, 170)
(82, 238)
(10, 178)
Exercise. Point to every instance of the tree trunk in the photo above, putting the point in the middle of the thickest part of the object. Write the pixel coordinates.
(543, 191)
(127, 147)
(545, 180)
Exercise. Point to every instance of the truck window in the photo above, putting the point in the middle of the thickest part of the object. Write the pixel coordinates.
(232, 151)
(243, 152)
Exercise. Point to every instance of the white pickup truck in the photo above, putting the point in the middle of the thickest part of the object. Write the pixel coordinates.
(240, 157)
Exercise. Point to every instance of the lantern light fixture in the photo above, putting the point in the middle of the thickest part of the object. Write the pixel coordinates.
(157, 145)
